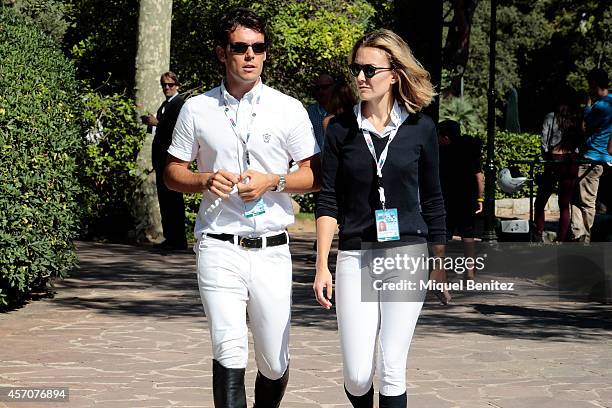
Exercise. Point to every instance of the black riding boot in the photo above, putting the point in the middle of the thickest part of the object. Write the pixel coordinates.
(364, 401)
(399, 401)
(269, 393)
(228, 386)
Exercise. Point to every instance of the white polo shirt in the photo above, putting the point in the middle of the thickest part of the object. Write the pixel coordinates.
(280, 131)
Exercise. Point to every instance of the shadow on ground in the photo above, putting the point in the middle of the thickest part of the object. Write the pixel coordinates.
(138, 281)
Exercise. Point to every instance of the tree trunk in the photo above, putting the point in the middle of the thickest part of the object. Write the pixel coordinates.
(457, 47)
(152, 60)
(419, 23)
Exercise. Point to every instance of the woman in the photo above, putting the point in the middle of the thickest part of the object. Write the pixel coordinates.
(561, 136)
(393, 88)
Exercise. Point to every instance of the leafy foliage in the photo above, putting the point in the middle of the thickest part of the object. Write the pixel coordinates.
(39, 140)
(540, 45)
(462, 110)
(102, 40)
(49, 15)
(109, 173)
(314, 37)
(307, 38)
(306, 202)
(520, 30)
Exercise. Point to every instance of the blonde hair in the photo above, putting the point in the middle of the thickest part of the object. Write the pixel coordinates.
(413, 87)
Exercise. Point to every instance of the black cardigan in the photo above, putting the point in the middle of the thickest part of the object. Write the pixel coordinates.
(410, 177)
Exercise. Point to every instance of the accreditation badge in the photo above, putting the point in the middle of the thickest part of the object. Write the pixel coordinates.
(387, 225)
(254, 208)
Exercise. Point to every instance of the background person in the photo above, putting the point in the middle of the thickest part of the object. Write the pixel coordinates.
(171, 203)
(322, 92)
(598, 127)
(561, 136)
(342, 100)
(462, 185)
(384, 142)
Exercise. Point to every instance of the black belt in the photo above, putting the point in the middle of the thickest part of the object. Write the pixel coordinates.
(252, 242)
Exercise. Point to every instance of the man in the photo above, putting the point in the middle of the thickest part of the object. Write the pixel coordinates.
(462, 183)
(598, 124)
(243, 135)
(171, 204)
(322, 90)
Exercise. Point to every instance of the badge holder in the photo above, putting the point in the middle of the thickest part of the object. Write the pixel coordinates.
(253, 208)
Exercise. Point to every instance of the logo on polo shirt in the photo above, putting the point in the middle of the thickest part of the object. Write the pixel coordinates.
(267, 137)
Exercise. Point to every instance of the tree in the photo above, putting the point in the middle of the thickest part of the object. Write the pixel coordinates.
(420, 24)
(457, 46)
(152, 60)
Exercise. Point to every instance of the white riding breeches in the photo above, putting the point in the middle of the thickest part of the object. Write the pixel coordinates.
(373, 335)
(234, 281)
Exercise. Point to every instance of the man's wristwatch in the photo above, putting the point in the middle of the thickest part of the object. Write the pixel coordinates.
(281, 184)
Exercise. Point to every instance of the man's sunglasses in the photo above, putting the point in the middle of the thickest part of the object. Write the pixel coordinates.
(369, 70)
(241, 48)
(168, 84)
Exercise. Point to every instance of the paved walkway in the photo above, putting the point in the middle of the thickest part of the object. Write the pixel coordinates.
(129, 331)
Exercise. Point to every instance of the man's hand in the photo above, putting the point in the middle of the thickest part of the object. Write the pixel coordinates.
(253, 187)
(222, 182)
(149, 120)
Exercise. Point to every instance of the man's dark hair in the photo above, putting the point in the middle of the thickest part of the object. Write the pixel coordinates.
(239, 17)
(598, 77)
(171, 75)
(449, 128)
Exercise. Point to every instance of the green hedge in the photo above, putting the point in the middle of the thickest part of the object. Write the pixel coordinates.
(109, 173)
(39, 140)
(192, 205)
(508, 147)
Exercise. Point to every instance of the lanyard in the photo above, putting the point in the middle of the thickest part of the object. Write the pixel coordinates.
(234, 125)
(380, 162)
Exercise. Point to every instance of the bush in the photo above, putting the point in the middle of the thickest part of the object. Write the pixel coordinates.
(192, 205)
(49, 15)
(39, 140)
(109, 173)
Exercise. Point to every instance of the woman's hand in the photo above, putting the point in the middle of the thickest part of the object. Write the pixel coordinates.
(323, 282)
(439, 275)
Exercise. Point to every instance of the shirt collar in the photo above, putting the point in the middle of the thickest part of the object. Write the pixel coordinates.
(321, 110)
(397, 117)
(172, 97)
(249, 96)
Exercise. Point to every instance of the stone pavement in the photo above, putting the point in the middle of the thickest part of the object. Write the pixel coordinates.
(129, 331)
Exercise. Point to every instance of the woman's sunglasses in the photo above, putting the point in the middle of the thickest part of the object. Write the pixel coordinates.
(241, 48)
(369, 70)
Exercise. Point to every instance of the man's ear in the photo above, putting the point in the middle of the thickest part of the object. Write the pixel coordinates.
(220, 54)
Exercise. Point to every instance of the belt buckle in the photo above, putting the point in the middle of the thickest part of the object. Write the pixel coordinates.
(242, 242)
(248, 242)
